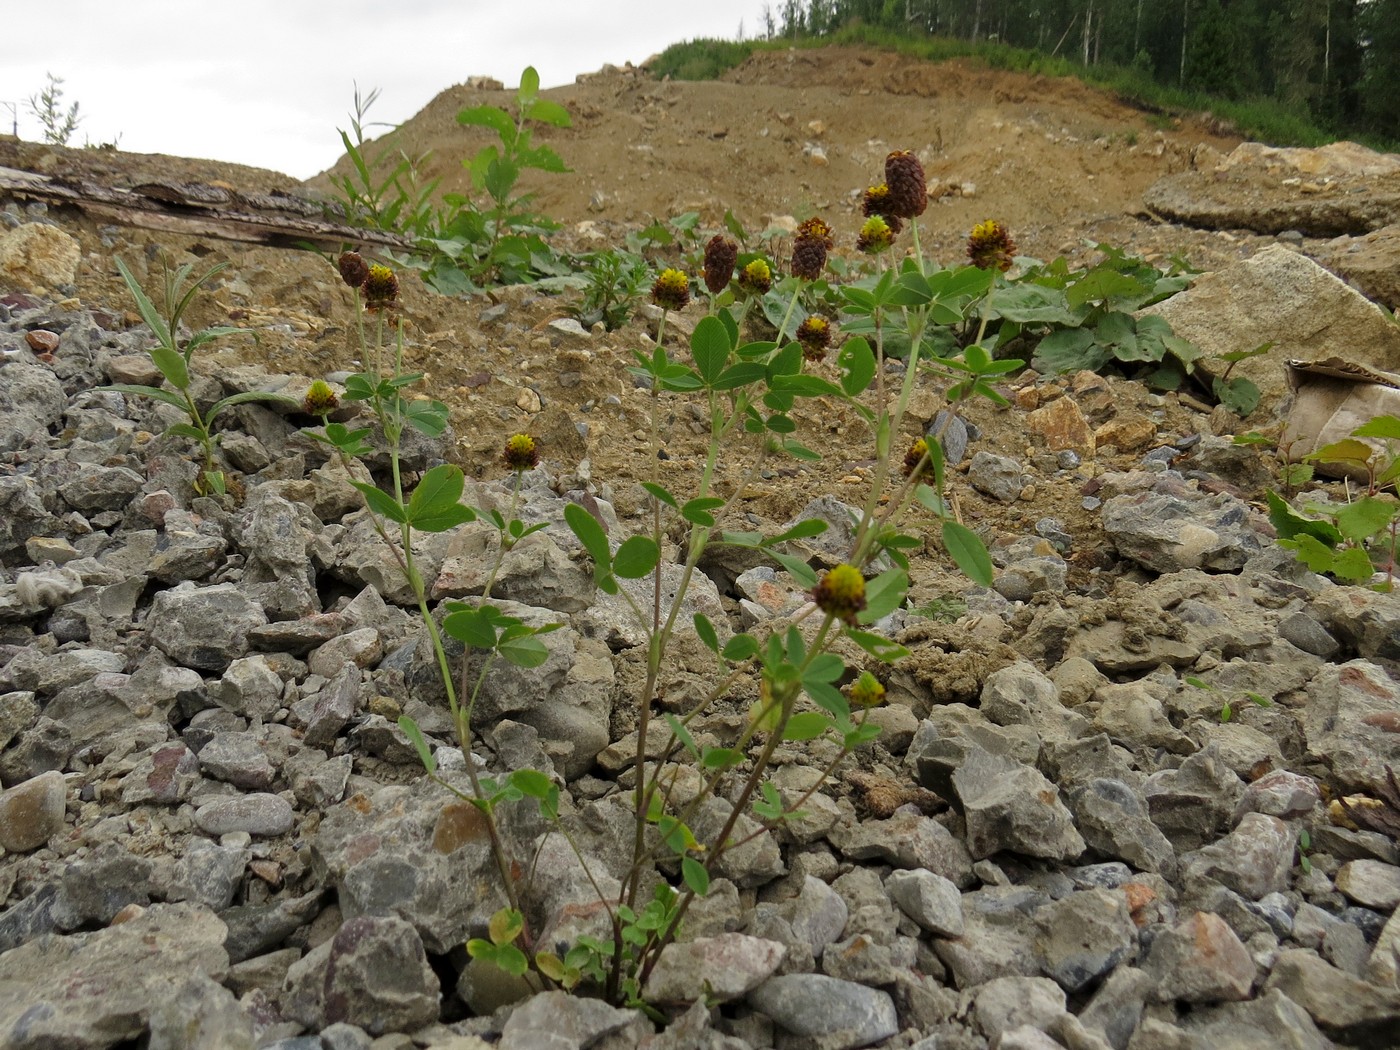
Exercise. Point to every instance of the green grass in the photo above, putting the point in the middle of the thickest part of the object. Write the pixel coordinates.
(1264, 120)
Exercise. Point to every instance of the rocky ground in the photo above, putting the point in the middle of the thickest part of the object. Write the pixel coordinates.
(216, 836)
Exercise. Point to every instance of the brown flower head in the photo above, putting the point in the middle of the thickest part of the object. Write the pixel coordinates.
(915, 456)
(876, 235)
(520, 453)
(756, 278)
(815, 336)
(721, 254)
(866, 691)
(990, 246)
(810, 248)
(354, 271)
(320, 399)
(841, 593)
(671, 290)
(876, 201)
(381, 288)
(908, 187)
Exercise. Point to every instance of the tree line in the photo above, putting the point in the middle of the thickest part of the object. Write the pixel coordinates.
(1337, 61)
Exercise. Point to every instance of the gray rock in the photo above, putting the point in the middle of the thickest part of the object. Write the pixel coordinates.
(1346, 1008)
(31, 401)
(1084, 937)
(92, 990)
(259, 813)
(334, 706)
(1364, 620)
(1113, 820)
(817, 915)
(43, 747)
(929, 899)
(560, 1021)
(209, 874)
(1116, 1008)
(1134, 714)
(416, 853)
(250, 687)
(319, 782)
(1282, 794)
(1009, 1002)
(1344, 705)
(94, 889)
(166, 776)
(1307, 634)
(997, 476)
(200, 1015)
(1200, 960)
(1167, 532)
(611, 618)
(1254, 859)
(205, 628)
(906, 840)
(1383, 968)
(49, 673)
(1192, 804)
(997, 940)
(1269, 1022)
(31, 813)
(377, 976)
(237, 759)
(536, 572)
(833, 1014)
(283, 542)
(715, 969)
(1020, 695)
(1370, 883)
(362, 648)
(257, 928)
(752, 864)
(1009, 806)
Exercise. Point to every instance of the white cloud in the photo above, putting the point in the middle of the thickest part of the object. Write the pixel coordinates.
(267, 83)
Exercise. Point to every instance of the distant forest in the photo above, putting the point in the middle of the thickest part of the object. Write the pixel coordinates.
(1334, 62)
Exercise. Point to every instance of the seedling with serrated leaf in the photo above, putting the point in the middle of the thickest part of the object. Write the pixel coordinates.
(174, 362)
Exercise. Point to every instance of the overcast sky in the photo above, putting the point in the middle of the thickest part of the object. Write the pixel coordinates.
(268, 82)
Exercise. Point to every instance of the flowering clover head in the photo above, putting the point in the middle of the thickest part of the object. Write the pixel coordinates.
(815, 336)
(381, 288)
(841, 593)
(756, 278)
(721, 254)
(875, 200)
(990, 246)
(866, 691)
(914, 457)
(320, 399)
(520, 453)
(908, 186)
(810, 248)
(354, 271)
(876, 235)
(671, 290)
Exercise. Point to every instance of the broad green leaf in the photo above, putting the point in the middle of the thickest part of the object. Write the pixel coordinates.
(825, 667)
(1311, 552)
(856, 361)
(968, 552)
(797, 567)
(710, 346)
(807, 725)
(660, 493)
(805, 386)
(529, 85)
(531, 782)
(493, 117)
(585, 526)
(426, 417)
(636, 557)
(1102, 284)
(548, 112)
(172, 365)
(1289, 524)
(1385, 427)
(438, 489)
(739, 648)
(695, 877)
(1366, 517)
(471, 627)
(526, 651)
(512, 960)
(706, 632)
(802, 530)
(1353, 565)
(697, 511)
(720, 758)
(743, 373)
(1348, 450)
(1069, 350)
(910, 289)
(877, 645)
(1240, 395)
(883, 595)
(415, 736)
(381, 502)
(828, 698)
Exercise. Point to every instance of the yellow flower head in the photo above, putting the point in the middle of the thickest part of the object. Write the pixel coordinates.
(990, 246)
(866, 691)
(841, 593)
(876, 235)
(520, 453)
(756, 278)
(815, 336)
(671, 290)
(381, 288)
(917, 451)
(320, 399)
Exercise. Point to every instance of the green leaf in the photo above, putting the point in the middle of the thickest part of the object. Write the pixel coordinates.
(636, 557)
(1353, 565)
(883, 595)
(267, 397)
(706, 632)
(548, 112)
(415, 736)
(710, 347)
(1311, 552)
(159, 393)
(802, 530)
(798, 568)
(144, 306)
(697, 511)
(720, 758)
(828, 698)
(877, 645)
(1240, 395)
(529, 85)
(660, 493)
(381, 502)
(1366, 517)
(172, 365)
(585, 526)
(739, 648)
(695, 877)
(1101, 284)
(1069, 350)
(743, 373)
(808, 725)
(1289, 524)
(426, 417)
(825, 667)
(1348, 450)
(856, 361)
(526, 651)
(531, 782)
(493, 117)
(472, 627)
(185, 430)
(438, 490)
(910, 289)
(687, 741)
(1386, 428)
(968, 552)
